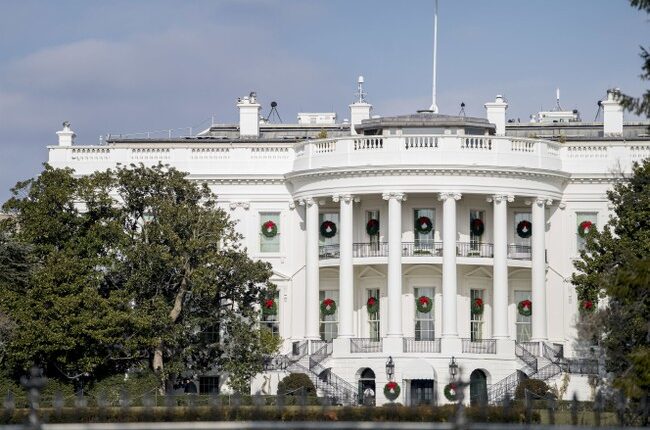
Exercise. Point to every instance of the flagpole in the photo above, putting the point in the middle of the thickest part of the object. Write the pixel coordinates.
(434, 106)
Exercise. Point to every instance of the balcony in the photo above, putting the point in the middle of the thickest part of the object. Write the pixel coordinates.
(424, 248)
(439, 150)
(362, 345)
(483, 346)
(414, 345)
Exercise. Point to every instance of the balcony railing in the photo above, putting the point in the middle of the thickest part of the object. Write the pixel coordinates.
(422, 248)
(371, 249)
(519, 252)
(484, 346)
(362, 344)
(475, 249)
(413, 345)
(326, 252)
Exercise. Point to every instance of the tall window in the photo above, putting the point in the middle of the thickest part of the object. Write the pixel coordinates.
(524, 323)
(476, 320)
(272, 322)
(475, 240)
(424, 322)
(270, 243)
(424, 241)
(584, 217)
(333, 217)
(519, 217)
(208, 384)
(373, 318)
(373, 215)
(329, 324)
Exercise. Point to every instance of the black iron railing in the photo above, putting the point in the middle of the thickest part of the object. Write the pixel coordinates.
(422, 248)
(370, 249)
(474, 249)
(519, 252)
(326, 252)
(484, 346)
(362, 344)
(414, 345)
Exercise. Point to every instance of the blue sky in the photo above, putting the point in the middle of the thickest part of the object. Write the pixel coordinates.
(128, 66)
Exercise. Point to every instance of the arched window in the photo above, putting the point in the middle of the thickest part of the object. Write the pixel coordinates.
(477, 387)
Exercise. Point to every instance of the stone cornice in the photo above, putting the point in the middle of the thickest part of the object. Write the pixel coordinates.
(426, 170)
(242, 180)
(595, 179)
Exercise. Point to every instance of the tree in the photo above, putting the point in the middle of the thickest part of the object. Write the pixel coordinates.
(615, 265)
(183, 265)
(640, 105)
(134, 263)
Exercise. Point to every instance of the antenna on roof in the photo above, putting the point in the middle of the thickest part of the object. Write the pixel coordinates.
(434, 106)
(361, 94)
(600, 109)
(557, 99)
(462, 109)
(274, 114)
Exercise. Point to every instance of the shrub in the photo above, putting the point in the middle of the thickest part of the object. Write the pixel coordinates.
(136, 384)
(534, 386)
(296, 384)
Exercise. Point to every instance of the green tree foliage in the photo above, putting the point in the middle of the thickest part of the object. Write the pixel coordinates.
(615, 264)
(640, 105)
(296, 384)
(535, 388)
(131, 264)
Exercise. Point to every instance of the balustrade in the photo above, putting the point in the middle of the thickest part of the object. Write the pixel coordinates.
(483, 346)
(413, 345)
(422, 248)
(361, 345)
(474, 249)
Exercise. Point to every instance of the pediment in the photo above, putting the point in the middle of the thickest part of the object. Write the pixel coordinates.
(479, 272)
(371, 272)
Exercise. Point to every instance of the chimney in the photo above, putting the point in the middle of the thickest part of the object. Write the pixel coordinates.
(612, 114)
(359, 110)
(496, 114)
(66, 136)
(249, 116)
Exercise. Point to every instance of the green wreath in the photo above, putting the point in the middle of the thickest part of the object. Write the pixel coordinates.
(372, 227)
(524, 229)
(269, 229)
(269, 307)
(477, 227)
(423, 225)
(392, 390)
(328, 229)
(328, 306)
(584, 228)
(451, 392)
(372, 305)
(477, 306)
(525, 308)
(424, 304)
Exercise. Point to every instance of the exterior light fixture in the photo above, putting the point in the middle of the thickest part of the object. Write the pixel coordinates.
(453, 368)
(390, 368)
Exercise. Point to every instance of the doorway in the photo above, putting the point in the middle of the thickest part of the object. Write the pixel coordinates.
(477, 388)
(367, 389)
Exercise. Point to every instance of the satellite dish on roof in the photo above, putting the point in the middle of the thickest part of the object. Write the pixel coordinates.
(274, 115)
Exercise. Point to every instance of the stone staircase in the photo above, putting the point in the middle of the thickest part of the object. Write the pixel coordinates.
(543, 361)
(327, 383)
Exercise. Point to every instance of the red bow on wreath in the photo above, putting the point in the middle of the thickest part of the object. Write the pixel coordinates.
(424, 300)
(371, 301)
(526, 304)
(269, 303)
(588, 305)
(478, 302)
(328, 302)
(391, 386)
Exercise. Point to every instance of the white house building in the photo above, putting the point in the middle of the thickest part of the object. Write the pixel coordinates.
(427, 240)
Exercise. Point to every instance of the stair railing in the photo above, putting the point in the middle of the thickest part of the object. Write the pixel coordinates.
(528, 358)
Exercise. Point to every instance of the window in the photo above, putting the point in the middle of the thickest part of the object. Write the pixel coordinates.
(373, 318)
(270, 244)
(329, 324)
(208, 384)
(476, 320)
(272, 322)
(424, 322)
(475, 240)
(519, 217)
(424, 241)
(580, 218)
(523, 323)
(334, 217)
(373, 215)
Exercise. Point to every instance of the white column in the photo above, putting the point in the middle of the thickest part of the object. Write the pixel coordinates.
(394, 263)
(312, 307)
(539, 270)
(346, 270)
(449, 287)
(500, 269)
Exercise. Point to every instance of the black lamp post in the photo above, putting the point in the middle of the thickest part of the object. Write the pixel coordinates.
(390, 368)
(453, 368)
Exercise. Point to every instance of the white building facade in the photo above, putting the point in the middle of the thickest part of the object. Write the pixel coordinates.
(479, 217)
